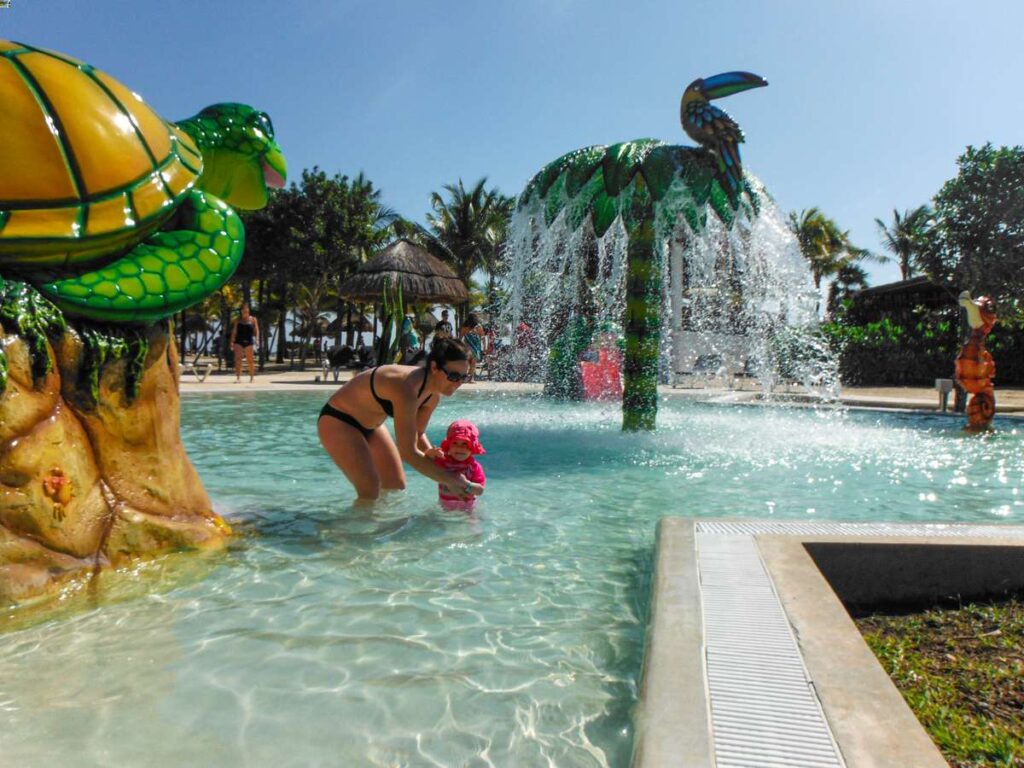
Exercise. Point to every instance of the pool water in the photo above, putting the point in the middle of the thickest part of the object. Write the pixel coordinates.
(410, 636)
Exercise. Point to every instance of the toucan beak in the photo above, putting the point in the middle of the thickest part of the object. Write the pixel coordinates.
(728, 83)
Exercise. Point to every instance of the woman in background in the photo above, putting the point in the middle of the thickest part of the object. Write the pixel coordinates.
(473, 334)
(244, 335)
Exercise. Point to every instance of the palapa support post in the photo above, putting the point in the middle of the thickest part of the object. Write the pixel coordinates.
(975, 367)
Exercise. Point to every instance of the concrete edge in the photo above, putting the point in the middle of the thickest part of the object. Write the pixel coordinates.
(673, 724)
(871, 722)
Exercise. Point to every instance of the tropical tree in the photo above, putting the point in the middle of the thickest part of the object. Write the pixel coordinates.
(907, 237)
(493, 262)
(849, 278)
(977, 242)
(467, 228)
(822, 243)
(309, 238)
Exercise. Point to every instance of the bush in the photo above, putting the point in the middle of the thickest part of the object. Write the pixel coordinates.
(888, 353)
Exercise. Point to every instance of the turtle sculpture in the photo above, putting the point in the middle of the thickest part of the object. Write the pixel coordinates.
(111, 212)
(111, 220)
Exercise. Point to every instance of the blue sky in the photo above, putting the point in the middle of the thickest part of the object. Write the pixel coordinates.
(869, 102)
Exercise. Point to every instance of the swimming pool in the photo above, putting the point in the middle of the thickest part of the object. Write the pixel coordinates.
(409, 636)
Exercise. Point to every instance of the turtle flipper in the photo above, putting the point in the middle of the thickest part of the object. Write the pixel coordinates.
(165, 273)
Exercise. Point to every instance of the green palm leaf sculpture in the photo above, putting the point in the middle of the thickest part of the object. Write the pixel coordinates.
(648, 186)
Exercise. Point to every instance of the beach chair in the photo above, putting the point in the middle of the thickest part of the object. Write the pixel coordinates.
(336, 359)
(198, 370)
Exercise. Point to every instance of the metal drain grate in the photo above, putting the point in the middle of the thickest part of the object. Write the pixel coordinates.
(764, 711)
(754, 527)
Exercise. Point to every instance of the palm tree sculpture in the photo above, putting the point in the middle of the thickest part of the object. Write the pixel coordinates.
(640, 182)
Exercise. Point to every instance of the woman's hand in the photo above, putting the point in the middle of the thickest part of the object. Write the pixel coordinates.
(455, 485)
(434, 453)
(459, 485)
(468, 488)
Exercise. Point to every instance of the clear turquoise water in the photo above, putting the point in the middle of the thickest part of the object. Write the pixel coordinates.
(409, 636)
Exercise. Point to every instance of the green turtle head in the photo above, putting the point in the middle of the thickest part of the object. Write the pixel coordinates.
(240, 156)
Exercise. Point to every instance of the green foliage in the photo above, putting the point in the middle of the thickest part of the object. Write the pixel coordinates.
(960, 671)
(563, 374)
(907, 237)
(467, 229)
(919, 350)
(977, 243)
(393, 305)
(321, 226)
(823, 244)
(33, 317)
(308, 239)
(103, 345)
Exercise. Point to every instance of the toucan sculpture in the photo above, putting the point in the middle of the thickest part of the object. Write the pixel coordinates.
(712, 128)
(643, 187)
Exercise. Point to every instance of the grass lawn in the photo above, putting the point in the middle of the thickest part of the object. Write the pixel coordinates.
(961, 670)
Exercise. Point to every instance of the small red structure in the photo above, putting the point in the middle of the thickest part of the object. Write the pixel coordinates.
(975, 367)
(602, 378)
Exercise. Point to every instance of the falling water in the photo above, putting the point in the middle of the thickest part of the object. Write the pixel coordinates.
(739, 303)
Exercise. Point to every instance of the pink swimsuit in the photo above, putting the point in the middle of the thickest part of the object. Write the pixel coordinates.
(474, 473)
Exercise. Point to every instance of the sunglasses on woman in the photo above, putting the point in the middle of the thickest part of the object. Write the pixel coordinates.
(454, 376)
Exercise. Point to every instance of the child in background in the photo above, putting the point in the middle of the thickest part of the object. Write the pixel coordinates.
(459, 448)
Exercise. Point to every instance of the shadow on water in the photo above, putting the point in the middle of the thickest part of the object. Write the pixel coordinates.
(395, 520)
(141, 580)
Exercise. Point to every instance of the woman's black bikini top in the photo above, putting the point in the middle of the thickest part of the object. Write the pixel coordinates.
(386, 405)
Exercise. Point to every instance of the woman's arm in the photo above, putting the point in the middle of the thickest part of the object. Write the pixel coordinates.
(407, 432)
(422, 419)
(255, 331)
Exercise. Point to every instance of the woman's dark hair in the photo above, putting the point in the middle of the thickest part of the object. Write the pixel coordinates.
(471, 321)
(447, 351)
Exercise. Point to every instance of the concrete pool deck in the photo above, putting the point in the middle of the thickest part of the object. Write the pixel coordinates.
(753, 660)
(1009, 402)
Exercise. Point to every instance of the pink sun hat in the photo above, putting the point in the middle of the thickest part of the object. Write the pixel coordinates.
(463, 429)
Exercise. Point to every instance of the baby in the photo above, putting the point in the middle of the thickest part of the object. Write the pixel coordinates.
(459, 447)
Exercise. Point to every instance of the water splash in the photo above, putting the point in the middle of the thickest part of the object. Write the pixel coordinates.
(739, 298)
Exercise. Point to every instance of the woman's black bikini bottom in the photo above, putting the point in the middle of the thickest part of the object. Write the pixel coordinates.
(334, 413)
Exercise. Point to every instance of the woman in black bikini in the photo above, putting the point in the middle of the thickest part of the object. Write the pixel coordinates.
(351, 424)
(244, 334)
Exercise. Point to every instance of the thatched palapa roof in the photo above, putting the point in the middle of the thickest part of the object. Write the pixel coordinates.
(423, 277)
(360, 323)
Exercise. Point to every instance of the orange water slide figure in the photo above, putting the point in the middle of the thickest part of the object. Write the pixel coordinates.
(975, 367)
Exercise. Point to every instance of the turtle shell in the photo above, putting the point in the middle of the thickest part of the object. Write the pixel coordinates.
(87, 169)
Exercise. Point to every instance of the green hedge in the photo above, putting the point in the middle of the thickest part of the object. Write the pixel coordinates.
(915, 353)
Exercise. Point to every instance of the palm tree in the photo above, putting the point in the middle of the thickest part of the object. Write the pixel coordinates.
(467, 228)
(906, 237)
(822, 243)
(849, 279)
(373, 224)
(493, 262)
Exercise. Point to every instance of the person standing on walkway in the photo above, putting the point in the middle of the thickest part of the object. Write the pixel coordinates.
(443, 329)
(244, 334)
(473, 334)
